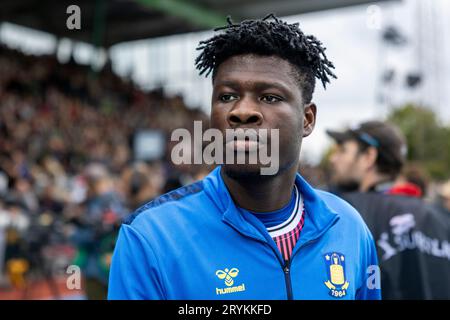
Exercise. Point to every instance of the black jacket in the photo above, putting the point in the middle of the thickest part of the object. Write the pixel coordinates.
(413, 244)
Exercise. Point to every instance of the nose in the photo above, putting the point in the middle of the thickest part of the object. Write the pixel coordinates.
(245, 112)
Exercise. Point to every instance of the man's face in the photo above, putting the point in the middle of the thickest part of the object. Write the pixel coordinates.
(261, 92)
(347, 165)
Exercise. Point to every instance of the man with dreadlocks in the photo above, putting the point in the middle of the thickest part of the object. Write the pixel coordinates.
(238, 234)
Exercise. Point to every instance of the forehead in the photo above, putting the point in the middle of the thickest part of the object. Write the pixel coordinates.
(248, 68)
(350, 145)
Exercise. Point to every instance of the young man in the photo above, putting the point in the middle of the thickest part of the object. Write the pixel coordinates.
(368, 157)
(365, 165)
(238, 234)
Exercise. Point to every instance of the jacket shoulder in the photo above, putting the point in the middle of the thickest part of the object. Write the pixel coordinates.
(174, 198)
(345, 210)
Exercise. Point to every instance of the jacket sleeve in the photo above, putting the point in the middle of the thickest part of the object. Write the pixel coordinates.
(370, 288)
(134, 273)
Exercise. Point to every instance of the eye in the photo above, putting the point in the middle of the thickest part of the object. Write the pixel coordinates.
(270, 98)
(227, 97)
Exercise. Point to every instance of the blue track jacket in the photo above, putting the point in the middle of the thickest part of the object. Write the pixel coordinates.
(194, 243)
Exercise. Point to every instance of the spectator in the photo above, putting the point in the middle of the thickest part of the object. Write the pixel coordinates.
(369, 158)
(412, 182)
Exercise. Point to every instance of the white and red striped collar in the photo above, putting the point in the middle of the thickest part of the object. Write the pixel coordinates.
(292, 221)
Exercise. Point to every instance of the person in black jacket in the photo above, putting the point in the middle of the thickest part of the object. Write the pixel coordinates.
(412, 242)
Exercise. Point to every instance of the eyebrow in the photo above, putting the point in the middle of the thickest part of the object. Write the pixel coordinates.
(258, 85)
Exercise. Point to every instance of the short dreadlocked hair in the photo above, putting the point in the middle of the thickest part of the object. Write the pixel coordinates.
(268, 38)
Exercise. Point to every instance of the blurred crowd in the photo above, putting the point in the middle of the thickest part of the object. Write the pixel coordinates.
(68, 174)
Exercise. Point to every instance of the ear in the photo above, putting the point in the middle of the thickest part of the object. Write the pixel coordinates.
(370, 156)
(309, 118)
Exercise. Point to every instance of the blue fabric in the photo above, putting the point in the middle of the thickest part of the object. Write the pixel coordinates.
(196, 244)
(274, 218)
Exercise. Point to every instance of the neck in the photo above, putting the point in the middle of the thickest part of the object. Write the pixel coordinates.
(371, 180)
(262, 194)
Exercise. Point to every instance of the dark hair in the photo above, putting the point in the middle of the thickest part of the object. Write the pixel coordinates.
(390, 145)
(264, 37)
(384, 165)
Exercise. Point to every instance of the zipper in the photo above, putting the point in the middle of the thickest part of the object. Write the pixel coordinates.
(287, 279)
(287, 265)
(287, 270)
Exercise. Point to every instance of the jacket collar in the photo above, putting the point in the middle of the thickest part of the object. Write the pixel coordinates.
(318, 219)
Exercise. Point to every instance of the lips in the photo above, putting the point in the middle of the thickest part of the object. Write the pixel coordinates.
(251, 140)
(244, 145)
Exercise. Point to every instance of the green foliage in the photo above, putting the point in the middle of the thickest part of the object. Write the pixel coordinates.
(428, 139)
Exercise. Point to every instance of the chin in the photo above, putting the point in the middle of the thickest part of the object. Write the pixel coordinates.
(243, 171)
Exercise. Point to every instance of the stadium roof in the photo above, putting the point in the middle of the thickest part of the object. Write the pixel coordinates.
(107, 22)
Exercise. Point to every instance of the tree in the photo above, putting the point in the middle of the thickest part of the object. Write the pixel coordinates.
(428, 139)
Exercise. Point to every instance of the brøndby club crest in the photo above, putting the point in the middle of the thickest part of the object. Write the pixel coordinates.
(336, 282)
